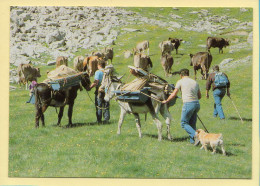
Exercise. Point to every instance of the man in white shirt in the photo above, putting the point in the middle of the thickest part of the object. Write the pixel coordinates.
(190, 96)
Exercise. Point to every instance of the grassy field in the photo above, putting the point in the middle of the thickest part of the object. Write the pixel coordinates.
(92, 150)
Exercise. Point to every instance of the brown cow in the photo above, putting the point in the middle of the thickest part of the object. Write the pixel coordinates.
(176, 42)
(61, 60)
(143, 61)
(167, 62)
(142, 46)
(166, 47)
(201, 60)
(78, 63)
(217, 42)
(90, 64)
(27, 73)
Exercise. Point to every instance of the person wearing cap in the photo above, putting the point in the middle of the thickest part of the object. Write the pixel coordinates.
(190, 96)
(218, 92)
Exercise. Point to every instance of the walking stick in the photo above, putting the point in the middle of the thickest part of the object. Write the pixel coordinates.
(203, 124)
(236, 109)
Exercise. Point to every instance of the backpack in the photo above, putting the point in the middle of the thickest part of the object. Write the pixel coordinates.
(221, 80)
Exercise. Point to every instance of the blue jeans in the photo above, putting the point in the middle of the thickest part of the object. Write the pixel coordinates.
(101, 106)
(189, 117)
(218, 95)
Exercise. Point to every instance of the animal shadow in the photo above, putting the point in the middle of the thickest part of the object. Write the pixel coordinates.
(83, 124)
(237, 118)
(175, 73)
(218, 151)
(165, 138)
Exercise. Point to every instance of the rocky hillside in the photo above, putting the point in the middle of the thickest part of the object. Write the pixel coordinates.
(40, 34)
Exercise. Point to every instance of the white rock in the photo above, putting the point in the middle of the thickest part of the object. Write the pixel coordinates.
(50, 63)
(250, 38)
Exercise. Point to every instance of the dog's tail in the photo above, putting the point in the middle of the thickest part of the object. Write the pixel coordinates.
(221, 136)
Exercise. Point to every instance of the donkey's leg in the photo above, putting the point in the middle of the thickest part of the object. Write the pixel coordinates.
(167, 116)
(44, 108)
(121, 120)
(155, 119)
(60, 115)
(37, 116)
(138, 124)
(70, 110)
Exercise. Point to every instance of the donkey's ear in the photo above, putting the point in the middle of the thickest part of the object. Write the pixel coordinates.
(120, 77)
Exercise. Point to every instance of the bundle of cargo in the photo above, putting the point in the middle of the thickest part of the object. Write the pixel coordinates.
(145, 84)
(63, 78)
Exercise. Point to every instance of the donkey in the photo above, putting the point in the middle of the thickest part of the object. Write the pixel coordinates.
(112, 83)
(45, 96)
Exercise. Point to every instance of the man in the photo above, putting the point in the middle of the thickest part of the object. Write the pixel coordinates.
(220, 83)
(190, 95)
(100, 103)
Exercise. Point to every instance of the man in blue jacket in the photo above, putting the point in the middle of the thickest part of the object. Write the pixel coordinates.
(100, 103)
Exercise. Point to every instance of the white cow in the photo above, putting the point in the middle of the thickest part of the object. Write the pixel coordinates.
(166, 47)
(142, 46)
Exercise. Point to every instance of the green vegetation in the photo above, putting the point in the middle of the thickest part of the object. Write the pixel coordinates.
(92, 150)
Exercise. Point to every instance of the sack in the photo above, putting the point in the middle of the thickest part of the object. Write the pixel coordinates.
(221, 80)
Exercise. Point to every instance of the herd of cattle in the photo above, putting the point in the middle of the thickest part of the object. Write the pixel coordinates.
(200, 60)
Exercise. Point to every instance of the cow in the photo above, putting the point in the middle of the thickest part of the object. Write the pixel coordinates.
(78, 63)
(61, 60)
(166, 47)
(143, 61)
(176, 42)
(90, 64)
(217, 42)
(142, 46)
(201, 60)
(167, 62)
(45, 97)
(112, 84)
(108, 53)
(27, 73)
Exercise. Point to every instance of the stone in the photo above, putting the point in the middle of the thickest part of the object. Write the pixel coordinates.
(51, 63)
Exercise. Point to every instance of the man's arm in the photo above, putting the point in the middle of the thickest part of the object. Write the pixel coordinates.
(173, 95)
(95, 83)
(208, 85)
(228, 92)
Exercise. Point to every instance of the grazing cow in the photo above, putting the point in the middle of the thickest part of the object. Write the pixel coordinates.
(142, 61)
(90, 64)
(217, 42)
(142, 46)
(45, 96)
(108, 54)
(176, 42)
(167, 62)
(78, 63)
(61, 60)
(166, 47)
(201, 60)
(111, 84)
(27, 73)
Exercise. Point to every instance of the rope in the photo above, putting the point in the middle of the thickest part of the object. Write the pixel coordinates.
(102, 108)
(151, 97)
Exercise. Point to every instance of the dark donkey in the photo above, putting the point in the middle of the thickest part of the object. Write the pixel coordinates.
(45, 96)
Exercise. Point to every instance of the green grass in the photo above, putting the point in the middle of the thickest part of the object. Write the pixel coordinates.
(91, 150)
